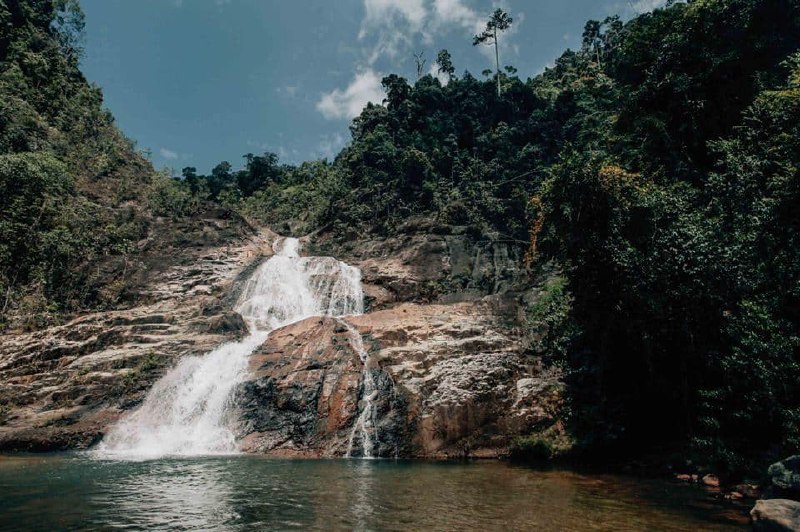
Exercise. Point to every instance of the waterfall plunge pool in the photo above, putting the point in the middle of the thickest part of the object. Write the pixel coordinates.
(76, 492)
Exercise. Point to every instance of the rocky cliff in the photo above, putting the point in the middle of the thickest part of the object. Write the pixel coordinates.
(450, 381)
(62, 387)
(437, 367)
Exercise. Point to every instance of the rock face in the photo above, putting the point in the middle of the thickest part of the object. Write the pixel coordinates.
(449, 380)
(60, 388)
(436, 368)
(429, 262)
(776, 515)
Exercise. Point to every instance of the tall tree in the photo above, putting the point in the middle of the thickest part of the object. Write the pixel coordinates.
(499, 21)
(445, 63)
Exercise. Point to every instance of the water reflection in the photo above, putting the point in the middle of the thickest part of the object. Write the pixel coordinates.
(363, 489)
(167, 494)
(245, 493)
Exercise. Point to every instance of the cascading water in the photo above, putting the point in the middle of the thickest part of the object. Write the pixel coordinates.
(187, 412)
(365, 426)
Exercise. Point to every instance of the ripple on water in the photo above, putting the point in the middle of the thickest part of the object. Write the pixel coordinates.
(238, 493)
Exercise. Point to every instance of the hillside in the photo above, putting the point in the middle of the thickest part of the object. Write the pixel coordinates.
(85, 217)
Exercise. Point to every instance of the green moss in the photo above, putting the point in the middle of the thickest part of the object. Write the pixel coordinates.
(143, 369)
(547, 444)
(551, 328)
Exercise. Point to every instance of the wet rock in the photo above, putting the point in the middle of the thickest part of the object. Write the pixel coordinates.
(62, 387)
(785, 477)
(776, 515)
(749, 491)
(711, 481)
(450, 380)
(228, 323)
(430, 263)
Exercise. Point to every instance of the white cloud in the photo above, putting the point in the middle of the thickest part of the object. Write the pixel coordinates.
(384, 12)
(454, 12)
(643, 6)
(168, 154)
(395, 22)
(329, 146)
(287, 90)
(443, 78)
(391, 28)
(348, 103)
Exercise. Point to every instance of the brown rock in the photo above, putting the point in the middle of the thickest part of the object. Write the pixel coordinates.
(749, 491)
(449, 379)
(430, 262)
(227, 323)
(711, 481)
(776, 515)
(61, 387)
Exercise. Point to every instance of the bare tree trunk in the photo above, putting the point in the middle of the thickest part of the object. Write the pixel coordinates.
(497, 61)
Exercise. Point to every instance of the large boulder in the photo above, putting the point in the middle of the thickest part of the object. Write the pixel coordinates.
(785, 477)
(776, 515)
(439, 381)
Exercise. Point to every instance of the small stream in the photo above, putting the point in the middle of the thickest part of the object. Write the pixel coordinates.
(75, 492)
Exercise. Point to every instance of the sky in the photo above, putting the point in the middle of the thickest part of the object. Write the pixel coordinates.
(196, 82)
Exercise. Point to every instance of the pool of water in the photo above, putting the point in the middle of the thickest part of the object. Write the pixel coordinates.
(56, 492)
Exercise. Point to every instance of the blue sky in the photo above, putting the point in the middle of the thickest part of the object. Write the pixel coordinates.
(196, 82)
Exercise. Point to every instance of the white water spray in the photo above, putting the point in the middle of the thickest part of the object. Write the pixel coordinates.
(187, 412)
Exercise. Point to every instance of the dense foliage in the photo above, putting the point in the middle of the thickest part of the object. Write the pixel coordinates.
(66, 172)
(77, 202)
(678, 221)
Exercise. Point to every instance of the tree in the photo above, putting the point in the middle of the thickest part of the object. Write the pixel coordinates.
(420, 61)
(445, 63)
(499, 21)
(397, 90)
(260, 172)
(69, 23)
(221, 178)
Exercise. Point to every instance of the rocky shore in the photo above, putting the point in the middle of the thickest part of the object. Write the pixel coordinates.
(779, 509)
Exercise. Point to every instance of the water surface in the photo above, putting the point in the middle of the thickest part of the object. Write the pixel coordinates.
(56, 492)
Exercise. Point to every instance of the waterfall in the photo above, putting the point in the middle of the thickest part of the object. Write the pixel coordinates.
(365, 425)
(188, 411)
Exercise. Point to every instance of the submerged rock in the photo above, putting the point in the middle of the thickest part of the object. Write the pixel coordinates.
(776, 515)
